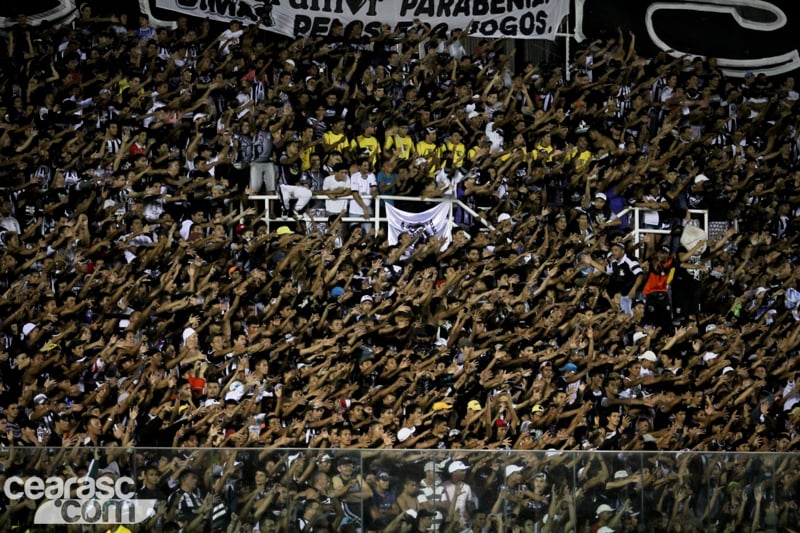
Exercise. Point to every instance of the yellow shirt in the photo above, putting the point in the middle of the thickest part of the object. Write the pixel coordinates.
(305, 157)
(542, 152)
(404, 146)
(366, 143)
(335, 141)
(507, 155)
(579, 159)
(424, 148)
(428, 151)
(458, 151)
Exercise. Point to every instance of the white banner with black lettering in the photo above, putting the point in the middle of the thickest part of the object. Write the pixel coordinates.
(519, 19)
(435, 222)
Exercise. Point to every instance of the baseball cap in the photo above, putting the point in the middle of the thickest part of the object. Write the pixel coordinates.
(513, 469)
(404, 433)
(474, 405)
(457, 466)
(366, 298)
(604, 508)
(537, 409)
(649, 355)
(441, 406)
(337, 291)
(601, 196)
(284, 230)
(569, 367)
(432, 466)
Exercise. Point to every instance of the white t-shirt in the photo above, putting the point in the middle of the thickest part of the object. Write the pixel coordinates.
(227, 39)
(363, 185)
(332, 184)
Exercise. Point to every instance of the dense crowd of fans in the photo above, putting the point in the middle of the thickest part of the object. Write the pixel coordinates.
(145, 303)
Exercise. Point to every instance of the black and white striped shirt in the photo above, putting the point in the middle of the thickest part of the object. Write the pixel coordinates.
(622, 275)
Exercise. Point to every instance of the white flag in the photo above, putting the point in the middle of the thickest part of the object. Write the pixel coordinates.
(518, 19)
(433, 222)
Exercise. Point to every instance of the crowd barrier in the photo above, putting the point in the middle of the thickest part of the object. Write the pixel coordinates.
(635, 217)
(637, 491)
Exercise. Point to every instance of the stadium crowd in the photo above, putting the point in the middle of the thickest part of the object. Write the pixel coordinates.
(144, 303)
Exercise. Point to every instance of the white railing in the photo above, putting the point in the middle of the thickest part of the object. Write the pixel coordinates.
(378, 214)
(634, 215)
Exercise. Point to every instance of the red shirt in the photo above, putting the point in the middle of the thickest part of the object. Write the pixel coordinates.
(660, 277)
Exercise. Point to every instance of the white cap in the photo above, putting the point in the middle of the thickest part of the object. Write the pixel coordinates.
(649, 355)
(605, 529)
(502, 217)
(639, 335)
(366, 298)
(727, 369)
(405, 433)
(619, 474)
(188, 332)
(236, 391)
(432, 466)
(27, 328)
(601, 195)
(701, 178)
(709, 356)
(603, 508)
(457, 466)
(512, 469)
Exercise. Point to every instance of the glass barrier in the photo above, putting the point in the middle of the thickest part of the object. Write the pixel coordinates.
(361, 491)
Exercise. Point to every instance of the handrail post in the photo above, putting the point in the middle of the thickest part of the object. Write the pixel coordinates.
(376, 217)
(450, 213)
(267, 216)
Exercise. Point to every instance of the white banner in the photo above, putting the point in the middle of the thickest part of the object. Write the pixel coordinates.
(53, 11)
(421, 226)
(519, 19)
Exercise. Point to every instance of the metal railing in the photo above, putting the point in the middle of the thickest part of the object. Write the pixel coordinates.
(376, 218)
(633, 214)
(637, 229)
